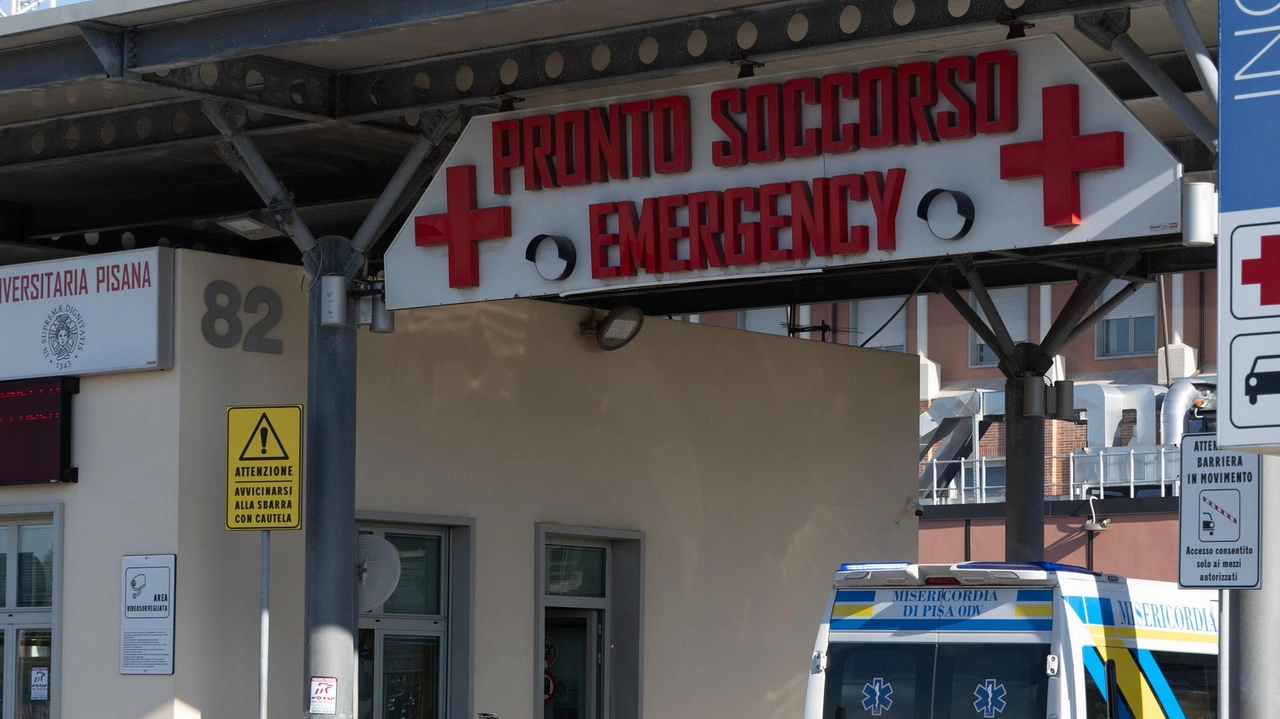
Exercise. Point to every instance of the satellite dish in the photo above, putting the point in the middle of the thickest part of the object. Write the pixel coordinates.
(378, 563)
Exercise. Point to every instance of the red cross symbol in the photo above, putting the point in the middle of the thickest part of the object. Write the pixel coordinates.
(462, 226)
(1264, 271)
(1062, 155)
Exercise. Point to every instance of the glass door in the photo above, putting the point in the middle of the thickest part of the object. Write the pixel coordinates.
(401, 675)
(572, 651)
(35, 652)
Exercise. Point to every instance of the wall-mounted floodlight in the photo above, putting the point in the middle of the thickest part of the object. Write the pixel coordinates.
(619, 327)
(252, 225)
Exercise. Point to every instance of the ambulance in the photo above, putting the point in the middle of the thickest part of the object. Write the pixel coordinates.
(1001, 640)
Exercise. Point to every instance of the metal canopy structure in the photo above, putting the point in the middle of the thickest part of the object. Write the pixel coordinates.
(134, 123)
(102, 132)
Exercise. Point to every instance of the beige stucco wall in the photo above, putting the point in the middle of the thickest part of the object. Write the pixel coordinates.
(753, 465)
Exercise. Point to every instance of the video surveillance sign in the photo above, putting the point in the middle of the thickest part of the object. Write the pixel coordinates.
(1218, 517)
(147, 613)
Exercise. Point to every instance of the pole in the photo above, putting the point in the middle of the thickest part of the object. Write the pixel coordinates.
(330, 619)
(1257, 651)
(264, 641)
(1024, 485)
(1224, 653)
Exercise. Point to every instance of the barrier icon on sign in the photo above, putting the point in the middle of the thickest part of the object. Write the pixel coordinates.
(1220, 515)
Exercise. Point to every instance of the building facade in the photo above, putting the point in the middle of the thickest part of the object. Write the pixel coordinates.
(1166, 331)
(577, 530)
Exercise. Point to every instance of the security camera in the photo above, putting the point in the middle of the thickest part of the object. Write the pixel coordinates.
(914, 506)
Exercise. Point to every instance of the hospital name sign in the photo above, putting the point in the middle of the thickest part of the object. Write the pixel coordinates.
(1001, 147)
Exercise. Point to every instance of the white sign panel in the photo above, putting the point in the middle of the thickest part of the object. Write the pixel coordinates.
(146, 613)
(324, 695)
(1218, 518)
(84, 315)
(1249, 228)
(995, 148)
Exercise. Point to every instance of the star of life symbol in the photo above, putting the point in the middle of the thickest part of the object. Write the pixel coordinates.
(990, 698)
(876, 696)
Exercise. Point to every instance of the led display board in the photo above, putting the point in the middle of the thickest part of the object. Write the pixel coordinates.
(35, 430)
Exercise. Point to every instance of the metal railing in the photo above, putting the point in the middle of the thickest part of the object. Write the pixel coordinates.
(1110, 472)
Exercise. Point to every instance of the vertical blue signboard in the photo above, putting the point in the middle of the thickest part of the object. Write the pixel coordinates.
(1249, 102)
(1249, 224)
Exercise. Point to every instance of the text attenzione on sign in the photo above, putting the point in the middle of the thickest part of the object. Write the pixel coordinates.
(264, 467)
(1219, 532)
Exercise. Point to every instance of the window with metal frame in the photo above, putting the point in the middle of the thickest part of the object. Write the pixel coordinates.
(1012, 304)
(871, 315)
(1130, 329)
(403, 643)
(29, 572)
(769, 320)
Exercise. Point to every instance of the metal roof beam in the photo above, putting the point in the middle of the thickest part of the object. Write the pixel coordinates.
(159, 206)
(258, 83)
(138, 127)
(53, 63)
(1125, 82)
(603, 58)
(259, 28)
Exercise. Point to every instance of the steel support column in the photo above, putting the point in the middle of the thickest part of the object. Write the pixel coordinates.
(1024, 435)
(1255, 651)
(1024, 478)
(1023, 457)
(330, 619)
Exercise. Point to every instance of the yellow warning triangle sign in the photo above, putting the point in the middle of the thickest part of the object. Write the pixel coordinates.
(263, 443)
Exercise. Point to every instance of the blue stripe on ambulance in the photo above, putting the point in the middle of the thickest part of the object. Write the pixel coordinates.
(853, 596)
(1092, 610)
(957, 624)
(1160, 685)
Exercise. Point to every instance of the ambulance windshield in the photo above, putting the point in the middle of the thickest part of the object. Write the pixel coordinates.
(936, 681)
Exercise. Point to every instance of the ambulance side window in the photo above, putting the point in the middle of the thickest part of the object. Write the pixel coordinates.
(1192, 679)
(1095, 705)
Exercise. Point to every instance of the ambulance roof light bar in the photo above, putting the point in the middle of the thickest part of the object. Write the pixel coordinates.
(967, 573)
(1028, 566)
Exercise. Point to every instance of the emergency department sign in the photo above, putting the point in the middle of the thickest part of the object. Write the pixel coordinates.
(264, 467)
(996, 148)
(1249, 226)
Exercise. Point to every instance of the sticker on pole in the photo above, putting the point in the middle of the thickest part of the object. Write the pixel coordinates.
(264, 467)
(1218, 516)
(324, 695)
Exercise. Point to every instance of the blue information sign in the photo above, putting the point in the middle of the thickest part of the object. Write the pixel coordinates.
(1249, 224)
(1249, 103)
